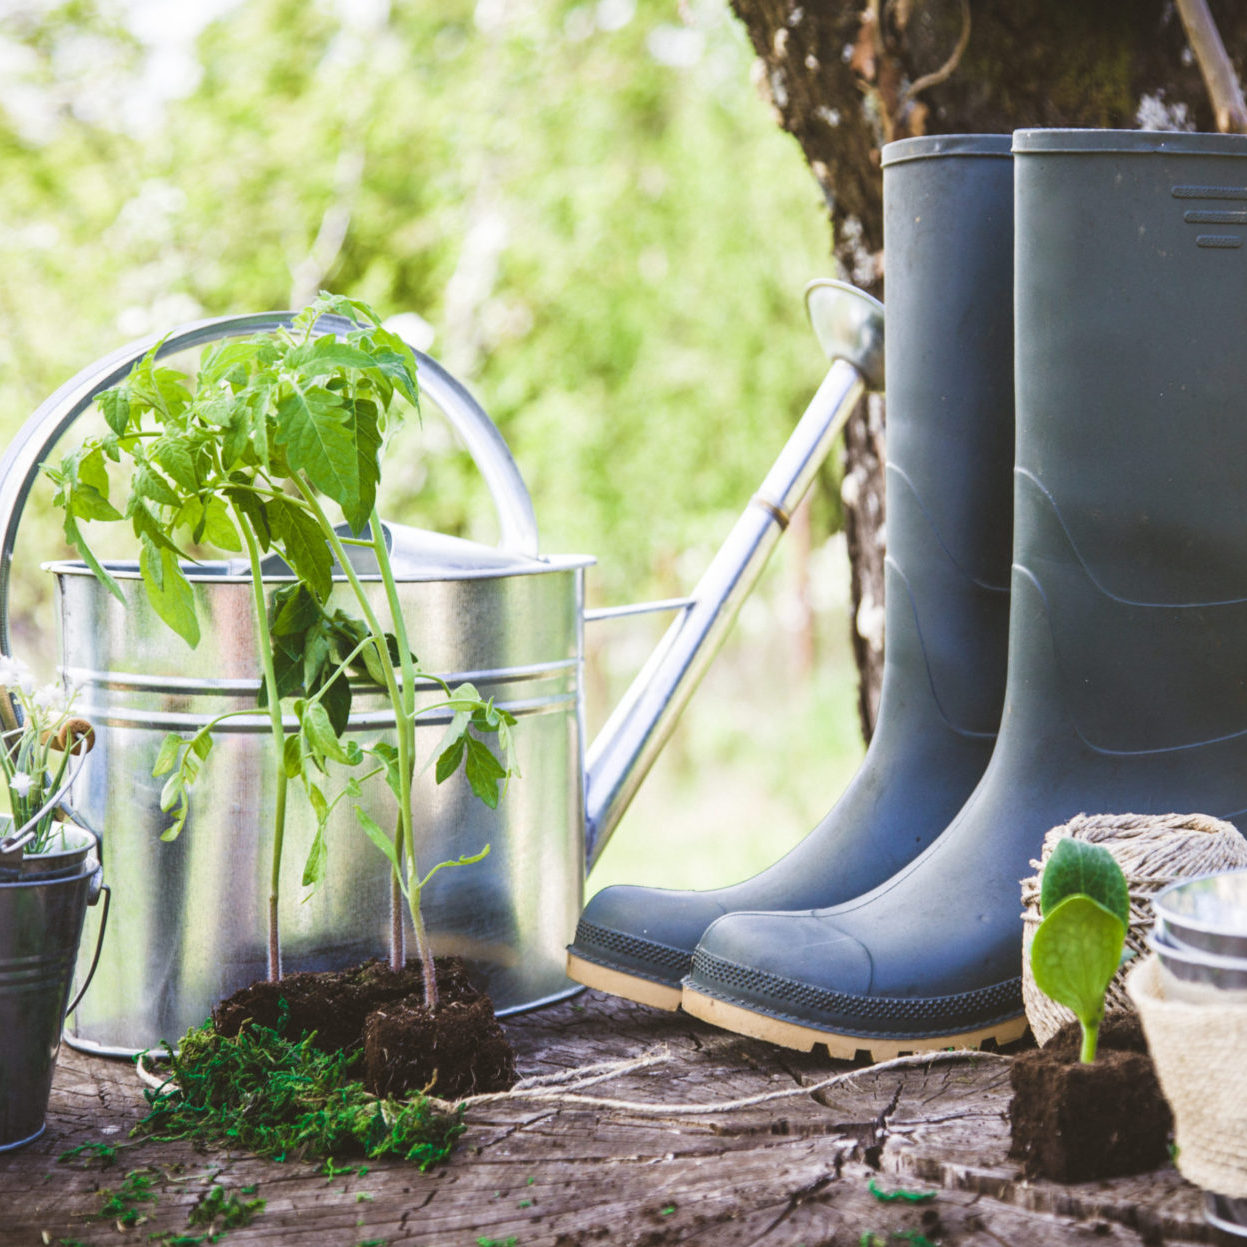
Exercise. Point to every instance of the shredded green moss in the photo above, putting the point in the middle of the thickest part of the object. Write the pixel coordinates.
(224, 1210)
(122, 1205)
(282, 1099)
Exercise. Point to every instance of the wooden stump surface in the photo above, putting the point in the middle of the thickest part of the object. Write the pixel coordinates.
(532, 1173)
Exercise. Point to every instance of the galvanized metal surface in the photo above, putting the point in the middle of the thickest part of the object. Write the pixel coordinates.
(190, 916)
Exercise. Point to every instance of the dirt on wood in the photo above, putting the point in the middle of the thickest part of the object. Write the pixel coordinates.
(810, 1168)
(455, 1051)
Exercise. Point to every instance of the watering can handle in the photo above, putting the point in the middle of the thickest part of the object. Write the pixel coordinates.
(22, 460)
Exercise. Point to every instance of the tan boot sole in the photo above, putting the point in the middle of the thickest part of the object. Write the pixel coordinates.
(617, 983)
(841, 1047)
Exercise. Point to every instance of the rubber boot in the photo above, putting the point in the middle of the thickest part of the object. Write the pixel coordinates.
(948, 206)
(1127, 686)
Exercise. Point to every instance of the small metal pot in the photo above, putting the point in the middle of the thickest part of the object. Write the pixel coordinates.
(42, 908)
(1208, 914)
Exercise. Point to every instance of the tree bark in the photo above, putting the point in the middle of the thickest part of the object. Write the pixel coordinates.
(845, 78)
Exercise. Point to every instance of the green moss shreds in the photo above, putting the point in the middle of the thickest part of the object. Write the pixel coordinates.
(283, 1099)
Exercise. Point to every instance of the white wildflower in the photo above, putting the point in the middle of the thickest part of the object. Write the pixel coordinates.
(15, 674)
(20, 784)
(51, 698)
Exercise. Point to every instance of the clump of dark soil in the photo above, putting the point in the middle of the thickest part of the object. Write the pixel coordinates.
(1073, 1122)
(456, 1051)
(460, 1046)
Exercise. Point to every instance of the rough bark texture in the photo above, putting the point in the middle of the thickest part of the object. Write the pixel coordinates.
(534, 1173)
(845, 78)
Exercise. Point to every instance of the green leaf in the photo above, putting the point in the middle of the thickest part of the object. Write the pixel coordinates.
(326, 356)
(483, 771)
(149, 484)
(303, 544)
(1077, 868)
(292, 756)
(1075, 953)
(377, 836)
(339, 455)
(169, 591)
(314, 867)
(172, 455)
(253, 510)
(387, 755)
(292, 610)
(115, 404)
(167, 758)
(335, 696)
(219, 528)
(320, 733)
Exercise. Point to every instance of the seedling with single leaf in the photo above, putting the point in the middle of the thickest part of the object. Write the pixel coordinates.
(274, 429)
(1077, 948)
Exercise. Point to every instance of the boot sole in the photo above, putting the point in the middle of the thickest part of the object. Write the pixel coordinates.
(840, 1047)
(617, 983)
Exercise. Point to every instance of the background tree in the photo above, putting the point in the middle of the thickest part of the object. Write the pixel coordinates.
(846, 76)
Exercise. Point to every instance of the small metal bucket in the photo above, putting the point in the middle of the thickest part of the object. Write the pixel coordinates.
(42, 905)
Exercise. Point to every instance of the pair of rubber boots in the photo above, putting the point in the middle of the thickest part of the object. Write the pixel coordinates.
(1100, 278)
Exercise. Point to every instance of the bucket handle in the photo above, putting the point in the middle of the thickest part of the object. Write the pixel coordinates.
(98, 888)
(21, 462)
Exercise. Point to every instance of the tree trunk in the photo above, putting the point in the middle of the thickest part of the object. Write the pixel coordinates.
(845, 78)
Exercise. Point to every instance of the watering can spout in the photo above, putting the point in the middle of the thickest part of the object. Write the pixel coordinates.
(849, 327)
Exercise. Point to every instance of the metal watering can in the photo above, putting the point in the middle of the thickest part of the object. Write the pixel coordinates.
(188, 922)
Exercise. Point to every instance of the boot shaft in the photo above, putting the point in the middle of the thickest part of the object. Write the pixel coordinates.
(948, 236)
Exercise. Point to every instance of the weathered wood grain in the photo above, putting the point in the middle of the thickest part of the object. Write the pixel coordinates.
(794, 1171)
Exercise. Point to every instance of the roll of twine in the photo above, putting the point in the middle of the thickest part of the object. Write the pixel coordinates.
(1153, 851)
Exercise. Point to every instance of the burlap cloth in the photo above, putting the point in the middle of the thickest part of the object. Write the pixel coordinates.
(1198, 1052)
(1153, 851)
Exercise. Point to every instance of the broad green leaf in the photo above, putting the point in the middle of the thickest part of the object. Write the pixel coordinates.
(303, 544)
(1077, 868)
(336, 697)
(292, 610)
(454, 731)
(483, 771)
(449, 759)
(338, 455)
(254, 512)
(167, 758)
(292, 756)
(372, 663)
(219, 528)
(327, 355)
(173, 456)
(149, 484)
(169, 591)
(377, 836)
(1075, 953)
(115, 404)
(320, 733)
(87, 503)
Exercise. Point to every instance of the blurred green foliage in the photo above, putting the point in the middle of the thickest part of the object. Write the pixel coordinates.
(605, 234)
(587, 203)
